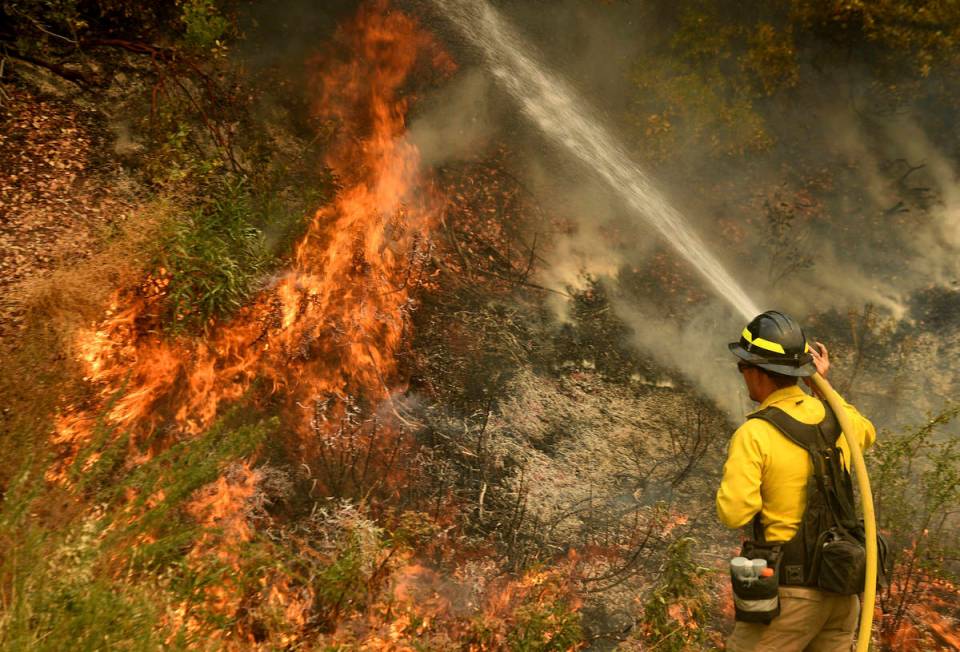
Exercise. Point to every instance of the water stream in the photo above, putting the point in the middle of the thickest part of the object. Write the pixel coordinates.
(553, 106)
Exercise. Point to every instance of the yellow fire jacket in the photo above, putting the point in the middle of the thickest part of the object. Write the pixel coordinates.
(766, 472)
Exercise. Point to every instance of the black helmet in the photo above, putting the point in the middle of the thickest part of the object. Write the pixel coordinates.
(773, 341)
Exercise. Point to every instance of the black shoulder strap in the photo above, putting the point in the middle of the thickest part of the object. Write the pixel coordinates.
(811, 437)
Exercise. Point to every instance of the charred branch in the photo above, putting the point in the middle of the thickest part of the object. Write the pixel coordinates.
(83, 80)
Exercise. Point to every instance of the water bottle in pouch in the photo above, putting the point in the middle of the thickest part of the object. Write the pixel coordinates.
(756, 584)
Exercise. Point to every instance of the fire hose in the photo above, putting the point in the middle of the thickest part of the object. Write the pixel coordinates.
(866, 498)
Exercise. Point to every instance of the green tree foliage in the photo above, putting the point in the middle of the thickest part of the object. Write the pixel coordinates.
(717, 82)
(891, 34)
(55, 27)
(204, 25)
(706, 84)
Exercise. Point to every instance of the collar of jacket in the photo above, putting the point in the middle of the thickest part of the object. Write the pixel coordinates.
(792, 392)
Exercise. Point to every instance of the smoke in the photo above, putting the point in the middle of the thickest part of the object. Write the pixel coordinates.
(457, 121)
(935, 247)
(839, 283)
(870, 209)
(601, 237)
(907, 187)
(697, 348)
(892, 229)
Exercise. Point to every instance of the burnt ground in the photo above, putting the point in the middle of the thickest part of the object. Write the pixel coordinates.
(63, 190)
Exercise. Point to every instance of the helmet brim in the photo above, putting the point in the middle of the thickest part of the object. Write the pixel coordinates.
(803, 371)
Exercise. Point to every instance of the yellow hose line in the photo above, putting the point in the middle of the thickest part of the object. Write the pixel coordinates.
(869, 518)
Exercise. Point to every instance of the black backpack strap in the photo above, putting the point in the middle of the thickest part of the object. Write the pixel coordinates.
(804, 435)
(758, 533)
(840, 487)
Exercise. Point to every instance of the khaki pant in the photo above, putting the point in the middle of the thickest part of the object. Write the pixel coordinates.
(810, 621)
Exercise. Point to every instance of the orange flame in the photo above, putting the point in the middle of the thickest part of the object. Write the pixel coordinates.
(333, 323)
(328, 329)
(929, 621)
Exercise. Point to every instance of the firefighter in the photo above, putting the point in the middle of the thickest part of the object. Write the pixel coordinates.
(768, 482)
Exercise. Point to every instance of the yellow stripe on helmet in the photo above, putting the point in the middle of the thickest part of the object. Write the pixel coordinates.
(762, 343)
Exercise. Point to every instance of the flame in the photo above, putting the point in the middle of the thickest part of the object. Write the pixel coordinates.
(672, 522)
(219, 507)
(932, 619)
(328, 330)
(334, 321)
(944, 629)
(425, 608)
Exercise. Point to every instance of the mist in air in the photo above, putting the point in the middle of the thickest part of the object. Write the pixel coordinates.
(565, 89)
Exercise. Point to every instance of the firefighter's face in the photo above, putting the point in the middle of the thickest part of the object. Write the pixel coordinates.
(753, 378)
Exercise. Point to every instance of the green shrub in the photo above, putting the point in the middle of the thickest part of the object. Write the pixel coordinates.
(213, 258)
(106, 580)
(204, 25)
(58, 600)
(548, 628)
(216, 256)
(675, 611)
(345, 581)
(54, 592)
(916, 483)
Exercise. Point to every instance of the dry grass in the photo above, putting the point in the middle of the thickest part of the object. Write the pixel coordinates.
(38, 371)
(76, 294)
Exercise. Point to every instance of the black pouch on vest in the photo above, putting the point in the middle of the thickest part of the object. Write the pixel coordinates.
(883, 553)
(758, 600)
(842, 566)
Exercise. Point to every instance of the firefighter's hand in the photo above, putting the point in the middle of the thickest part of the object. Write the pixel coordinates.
(821, 360)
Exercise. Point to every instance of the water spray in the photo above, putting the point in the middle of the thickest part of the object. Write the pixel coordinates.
(553, 107)
(565, 119)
